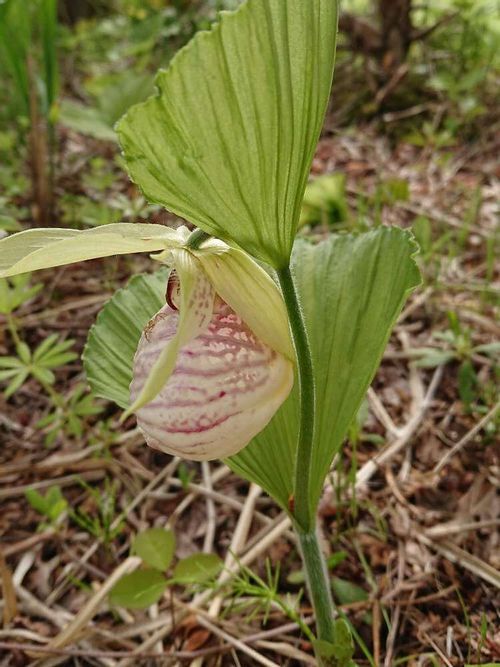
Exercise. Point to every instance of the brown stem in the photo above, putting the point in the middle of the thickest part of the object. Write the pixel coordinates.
(40, 167)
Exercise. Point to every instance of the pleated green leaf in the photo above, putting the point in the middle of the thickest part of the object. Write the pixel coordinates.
(228, 141)
(112, 341)
(352, 290)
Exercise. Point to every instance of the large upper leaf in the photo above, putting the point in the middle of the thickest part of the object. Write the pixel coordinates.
(352, 289)
(42, 248)
(228, 140)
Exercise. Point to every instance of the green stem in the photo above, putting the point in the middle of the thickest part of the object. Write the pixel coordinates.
(196, 238)
(303, 515)
(318, 584)
(11, 324)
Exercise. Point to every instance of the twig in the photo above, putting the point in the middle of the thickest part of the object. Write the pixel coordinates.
(86, 614)
(393, 632)
(8, 590)
(68, 480)
(237, 543)
(287, 650)
(220, 473)
(257, 657)
(381, 413)
(211, 514)
(370, 467)
(438, 650)
(444, 529)
(457, 555)
(467, 438)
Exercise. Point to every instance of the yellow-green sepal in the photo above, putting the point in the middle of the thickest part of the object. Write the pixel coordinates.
(35, 249)
(251, 293)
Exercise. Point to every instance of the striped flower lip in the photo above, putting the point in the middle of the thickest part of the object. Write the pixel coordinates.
(216, 362)
(224, 389)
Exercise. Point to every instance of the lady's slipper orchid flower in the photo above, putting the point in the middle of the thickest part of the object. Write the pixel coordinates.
(216, 362)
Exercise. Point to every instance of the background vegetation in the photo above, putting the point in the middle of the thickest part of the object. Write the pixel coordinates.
(410, 517)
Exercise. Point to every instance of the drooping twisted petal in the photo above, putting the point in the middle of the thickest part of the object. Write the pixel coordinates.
(224, 389)
(196, 303)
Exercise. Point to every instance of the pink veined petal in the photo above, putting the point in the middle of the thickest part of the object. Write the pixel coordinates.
(225, 387)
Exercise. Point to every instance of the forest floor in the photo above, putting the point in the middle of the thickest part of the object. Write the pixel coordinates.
(409, 517)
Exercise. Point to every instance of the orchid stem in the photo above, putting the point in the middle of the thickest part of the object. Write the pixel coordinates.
(196, 238)
(302, 512)
(301, 507)
(318, 584)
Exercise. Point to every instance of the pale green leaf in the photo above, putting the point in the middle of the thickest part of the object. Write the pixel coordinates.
(138, 590)
(23, 352)
(434, 358)
(352, 289)
(16, 383)
(42, 248)
(488, 348)
(43, 375)
(346, 592)
(45, 345)
(197, 569)
(86, 120)
(156, 547)
(228, 141)
(6, 375)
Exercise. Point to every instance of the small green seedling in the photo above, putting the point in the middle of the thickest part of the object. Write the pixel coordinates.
(52, 505)
(458, 347)
(185, 475)
(40, 363)
(339, 652)
(146, 586)
(325, 201)
(16, 291)
(101, 523)
(258, 596)
(69, 414)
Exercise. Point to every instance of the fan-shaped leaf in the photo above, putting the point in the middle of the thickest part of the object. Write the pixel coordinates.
(113, 339)
(352, 289)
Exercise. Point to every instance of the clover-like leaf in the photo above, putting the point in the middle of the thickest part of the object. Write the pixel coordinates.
(197, 568)
(138, 590)
(156, 547)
